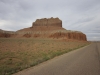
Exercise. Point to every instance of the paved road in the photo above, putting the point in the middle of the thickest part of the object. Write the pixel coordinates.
(84, 61)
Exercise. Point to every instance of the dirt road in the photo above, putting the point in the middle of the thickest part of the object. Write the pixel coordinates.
(84, 61)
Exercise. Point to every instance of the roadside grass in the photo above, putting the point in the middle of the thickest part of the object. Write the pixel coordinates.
(18, 54)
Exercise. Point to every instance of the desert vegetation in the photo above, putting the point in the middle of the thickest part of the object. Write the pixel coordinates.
(18, 54)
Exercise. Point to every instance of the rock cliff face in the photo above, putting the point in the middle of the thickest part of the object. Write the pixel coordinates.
(55, 22)
(4, 34)
(51, 28)
(69, 35)
(47, 28)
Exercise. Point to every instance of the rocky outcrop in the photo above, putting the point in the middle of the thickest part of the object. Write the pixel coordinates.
(55, 22)
(6, 34)
(47, 28)
(69, 35)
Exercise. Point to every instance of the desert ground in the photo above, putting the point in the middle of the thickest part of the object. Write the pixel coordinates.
(17, 54)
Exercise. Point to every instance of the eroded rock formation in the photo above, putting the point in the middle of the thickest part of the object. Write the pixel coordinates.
(69, 35)
(55, 22)
(5, 34)
(48, 28)
(54, 29)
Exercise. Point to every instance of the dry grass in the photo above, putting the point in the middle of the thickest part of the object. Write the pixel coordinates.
(19, 54)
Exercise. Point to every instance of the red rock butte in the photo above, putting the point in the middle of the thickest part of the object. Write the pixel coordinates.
(49, 28)
(47, 24)
(55, 22)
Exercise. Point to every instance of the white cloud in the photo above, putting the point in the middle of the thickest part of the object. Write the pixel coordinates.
(3, 23)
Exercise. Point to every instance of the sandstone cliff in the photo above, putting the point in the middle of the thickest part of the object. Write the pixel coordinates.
(69, 35)
(6, 34)
(55, 22)
(46, 28)
(50, 28)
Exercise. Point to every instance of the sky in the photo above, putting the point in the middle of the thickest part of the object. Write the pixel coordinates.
(78, 15)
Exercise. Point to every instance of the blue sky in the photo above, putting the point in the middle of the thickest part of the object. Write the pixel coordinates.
(79, 15)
